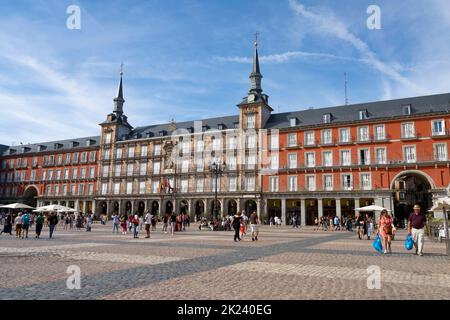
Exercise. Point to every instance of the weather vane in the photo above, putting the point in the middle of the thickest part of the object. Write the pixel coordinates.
(256, 39)
(121, 69)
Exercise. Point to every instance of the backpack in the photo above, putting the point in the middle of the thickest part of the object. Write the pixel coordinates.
(26, 219)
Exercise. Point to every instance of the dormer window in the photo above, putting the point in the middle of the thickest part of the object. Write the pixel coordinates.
(90, 142)
(12, 151)
(326, 118)
(293, 122)
(205, 128)
(26, 149)
(250, 121)
(58, 146)
(162, 133)
(149, 134)
(363, 114)
(406, 110)
(221, 126)
(190, 130)
(41, 148)
(75, 144)
(236, 125)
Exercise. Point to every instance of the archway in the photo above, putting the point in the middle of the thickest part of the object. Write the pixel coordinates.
(199, 209)
(103, 208)
(250, 207)
(410, 188)
(184, 207)
(155, 208)
(219, 208)
(141, 208)
(312, 211)
(29, 197)
(116, 207)
(128, 208)
(232, 207)
(169, 207)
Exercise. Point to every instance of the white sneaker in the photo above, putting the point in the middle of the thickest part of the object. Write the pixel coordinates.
(385, 251)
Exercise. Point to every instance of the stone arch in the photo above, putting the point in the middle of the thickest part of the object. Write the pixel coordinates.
(413, 172)
(30, 196)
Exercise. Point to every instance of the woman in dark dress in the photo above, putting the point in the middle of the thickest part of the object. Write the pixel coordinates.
(7, 228)
(237, 225)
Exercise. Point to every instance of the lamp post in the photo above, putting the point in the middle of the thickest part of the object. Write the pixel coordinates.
(217, 169)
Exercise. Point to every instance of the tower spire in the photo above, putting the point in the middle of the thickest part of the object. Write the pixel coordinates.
(119, 100)
(256, 76)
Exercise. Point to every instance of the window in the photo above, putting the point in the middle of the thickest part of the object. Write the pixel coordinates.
(273, 184)
(328, 182)
(105, 171)
(156, 167)
(185, 166)
(380, 154)
(64, 190)
(117, 170)
(199, 164)
(33, 175)
(310, 159)
(408, 130)
(274, 162)
(327, 158)
(75, 158)
(293, 122)
(130, 152)
(363, 114)
(406, 110)
(91, 189)
(199, 185)
(409, 154)
(232, 184)
(292, 160)
(184, 185)
(73, 189)
(142, 187)
(59, 160)
(92, 156)
(251, 141)
(231, 163)
(232, 143)
(364, 156)
(250, 183)
(311, 183)
(157, 150)
(251, 161)
(292, 183)
(292, 140)
(363, 134)
(51, 160)
(84, 156)
(116, 188)
(216, 142)
(344, 135)
(274, 142)
(186, 147)
(440, 152)
(50, 175)
(49, 190)
(35, 161)
(58, 175)
(104, 188)
(347, 182)
(155, 186)
(309, 138)
(75, 173)
(199, 146)
(81, 189)
(438, 127)
(129, 188)
(327, 137)
(119, 153)
(345, 158)
(250, 121)
(326, 118)
(365, 180)
(83, 173)
(44, 175)
(106, 154)
(380, 133)
(143, 169)
(213, 184)
(108, 138)
(129, 169)
(92, 172)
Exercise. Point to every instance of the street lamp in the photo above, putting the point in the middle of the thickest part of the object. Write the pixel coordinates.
(217, 169)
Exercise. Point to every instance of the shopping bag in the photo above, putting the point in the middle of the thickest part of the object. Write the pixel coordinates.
(409, 242)
(377, 244)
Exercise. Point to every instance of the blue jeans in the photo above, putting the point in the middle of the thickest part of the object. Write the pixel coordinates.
(52, 228)
(116, 227)
(136, 230)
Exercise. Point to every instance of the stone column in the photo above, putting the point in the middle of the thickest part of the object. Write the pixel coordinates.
(283, 210)
(356, 200)
(320, 207)
(303, 212)
(258, 209)
(238, 205)
(338, 208)
(222, 207)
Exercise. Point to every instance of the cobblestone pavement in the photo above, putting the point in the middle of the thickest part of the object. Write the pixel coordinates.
(284, 263)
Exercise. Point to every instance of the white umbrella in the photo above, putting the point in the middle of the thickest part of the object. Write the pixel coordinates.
(371, 208)
(67, 209)
(50, 208)
(16, 206)
(443, 204)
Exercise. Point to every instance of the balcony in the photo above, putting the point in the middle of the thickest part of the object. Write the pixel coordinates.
(311, 144)
(441, 134)
(410, 137)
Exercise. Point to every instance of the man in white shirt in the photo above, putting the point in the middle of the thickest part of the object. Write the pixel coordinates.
(148, 223)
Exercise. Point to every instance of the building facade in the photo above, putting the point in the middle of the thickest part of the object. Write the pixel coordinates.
(308, 164)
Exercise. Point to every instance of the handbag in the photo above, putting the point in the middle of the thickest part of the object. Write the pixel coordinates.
(377, 244)
(409, 242)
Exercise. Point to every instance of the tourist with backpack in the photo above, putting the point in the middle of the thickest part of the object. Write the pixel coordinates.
(39, 225)
(25, 224)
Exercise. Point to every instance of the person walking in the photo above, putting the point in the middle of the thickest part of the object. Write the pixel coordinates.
(18, 224)
(369, 226)
(115, 222)
(7, 228)
(385, 229)
(360, 225)
(237, 226)
(173, 222)
(148, 223)
(416, 228)
(25, 224)
(135, 222)
(254, 221)
(165, 223)
(39, 225)
(52, 222)
(123, 224)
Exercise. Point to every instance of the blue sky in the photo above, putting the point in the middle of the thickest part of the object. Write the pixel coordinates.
(190, 59)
